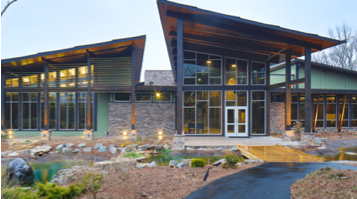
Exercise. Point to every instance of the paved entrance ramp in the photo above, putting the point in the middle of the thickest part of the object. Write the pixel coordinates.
(277, 153)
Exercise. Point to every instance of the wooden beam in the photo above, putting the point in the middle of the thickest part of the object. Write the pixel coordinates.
(133, 89)
(179, 78)
(211, 21)
(308, 101)
(89, 102)
(3, 103)
(317, 112)
(287, 92)
(46, 107)
(343, 113)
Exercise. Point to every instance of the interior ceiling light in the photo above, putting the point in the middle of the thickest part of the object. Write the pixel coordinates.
(233, 65)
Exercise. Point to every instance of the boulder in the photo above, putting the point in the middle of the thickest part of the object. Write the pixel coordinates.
(288, 136)
(113, 150)
(233, 149)
(202, 149)
(154, 147)
(219, 149)
(64, 176)
(189, 148)
(122, 150)
(324, 139)
(317, 140)
(88, 149)
(219, 162)
(173, 163)
(142, 165)
(142, 147)
(60, 146)
(97, 145)
(166, 146)
(181, 165)
(3, 154)
(133, 145)
(251, 161)
(81, 145)
(43, 149)
(20, 171)
(102, 149)
(13, 154)
(129, 149)
(320, 148)
(120, 163)
(152, 164)
(66, 150)
(112, 145)
(69, 145)
(186, 161)
(26, 151)
(76, 151)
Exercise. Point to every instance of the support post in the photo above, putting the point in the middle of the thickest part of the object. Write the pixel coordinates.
(268, 96)
(89, 110)
(343, 113)
(287, 92)
(133, 133)
(317, 112)
(179, 75)
(3, 103)
(45, 133)
(308, 113)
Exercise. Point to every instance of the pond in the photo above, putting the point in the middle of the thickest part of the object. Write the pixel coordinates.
(346, 153)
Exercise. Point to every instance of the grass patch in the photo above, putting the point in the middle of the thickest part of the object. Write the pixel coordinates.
(132, 154)
(326, 182)
(165, 151)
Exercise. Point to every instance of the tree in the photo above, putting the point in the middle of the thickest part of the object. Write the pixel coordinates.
(7, 6)
(343, 55)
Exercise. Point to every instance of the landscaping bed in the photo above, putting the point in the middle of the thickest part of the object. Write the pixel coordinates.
(326, 183)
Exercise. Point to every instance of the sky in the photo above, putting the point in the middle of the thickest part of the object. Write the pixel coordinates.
(32, 26)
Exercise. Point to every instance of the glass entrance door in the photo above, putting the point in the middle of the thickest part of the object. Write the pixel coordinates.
(236, 121)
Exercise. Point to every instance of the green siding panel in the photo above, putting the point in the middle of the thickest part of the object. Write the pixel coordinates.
(316, 78)
(54, 133)
(334, 80)
(102, 113)
(352, 83)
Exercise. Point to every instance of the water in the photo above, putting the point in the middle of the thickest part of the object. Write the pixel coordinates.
(346, 153)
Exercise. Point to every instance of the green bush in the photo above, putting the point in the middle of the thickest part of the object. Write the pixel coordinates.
(52, 191)
(139, 143)
(92, 183)
(139, 140)
(231, 160)
(197, 163)
(3, 136)
(132, 154)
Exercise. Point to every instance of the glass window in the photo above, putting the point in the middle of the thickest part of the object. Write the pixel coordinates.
(258, 112)
(122, 97)
(236, 71)
(201, 69)
(82, 110)
(143, 97)
(29, 111)
(277, 98)
(12, 111)
(330, 111)
(52, 110)
(354, 111)
(67, 111)
(163, 97)
(294, 109)
(258, 73)
(12, 82)
(202, 112)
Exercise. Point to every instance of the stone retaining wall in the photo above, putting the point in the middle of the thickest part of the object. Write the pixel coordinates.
(149, 118)
(277, 117)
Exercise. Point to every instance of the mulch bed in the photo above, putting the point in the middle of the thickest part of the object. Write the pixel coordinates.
(326, 183)
(164, 182)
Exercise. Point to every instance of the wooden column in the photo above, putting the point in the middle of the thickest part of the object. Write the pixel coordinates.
(3, 103)
(287, 92)
(133, 89)
(89, 110)
(317, 112)
(46, 108)
(308, 101)
(179, 76)
(267, 101)
(343, 112)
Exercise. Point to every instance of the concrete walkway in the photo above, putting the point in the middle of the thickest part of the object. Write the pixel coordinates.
(269, 180)
(224, 141)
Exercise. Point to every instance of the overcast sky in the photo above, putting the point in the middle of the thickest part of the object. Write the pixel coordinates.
(32, 26)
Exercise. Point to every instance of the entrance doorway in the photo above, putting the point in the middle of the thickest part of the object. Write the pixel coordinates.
(237, 121)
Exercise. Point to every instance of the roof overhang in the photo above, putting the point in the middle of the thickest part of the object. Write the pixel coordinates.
(207, 30)
(78, 54)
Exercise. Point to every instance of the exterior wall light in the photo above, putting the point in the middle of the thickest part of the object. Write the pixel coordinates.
(233, 65)
(209, 61)
(9, 132)
(124, 133)
(157, 94)
(160, 137)
(160, 132)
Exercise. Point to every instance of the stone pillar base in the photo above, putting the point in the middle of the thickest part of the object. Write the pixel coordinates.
(288, 136)
(178, 143)
(133, 135)
(88, 135)
(45, 135)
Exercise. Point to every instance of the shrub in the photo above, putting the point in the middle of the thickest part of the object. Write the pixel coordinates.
(125, 144)
(231, 160)
(139, 143)
(197, 163)
(297, 128)
(132, 154)
(3, 136)
(92, 183)
(51, 190)
(139, 140)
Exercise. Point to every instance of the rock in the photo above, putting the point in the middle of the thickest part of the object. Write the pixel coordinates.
(142, 147)
(219, 149)
(76, 151)
(57, 151)
(173, 163)
(26, 151)
(186, 161)
(322, 147)
(252, 161)
(102, 149)
(113, 150)
(317, 140)
(66, 150)
(202, 149)
(110, 165)
(166, 146)
(233, 149)
(97, 145)
(142, 165)
(288, 136)
(189, 148)
(324, 139)
(152, 164)
(60, 146)
(81, 145)
(181, 165)
(133, 145)
(88, 149)
(129, 149)
(64, 176)
(20, 171)
(69, 145)
(219, 162)
(122, 150)
(155, 147)
(3, 154)
(13, 154)
(112, 145)
(43, 149)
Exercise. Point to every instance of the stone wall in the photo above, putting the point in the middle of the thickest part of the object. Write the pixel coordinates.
(149, 118)
(277, 117)
(159, 77)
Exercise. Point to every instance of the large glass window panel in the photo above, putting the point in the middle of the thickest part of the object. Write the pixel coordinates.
(231, 79)
(231, 98)
(189, 68)
(258, 95)
(202, 78)
(67, 110)
(215, 68)
(189, 98)
(242, 98)
(215, 98)
(354, 111)
(330, 111)
(202, 118)
(143, 97)
(258, 117)
(189, 123)
(52, 79)
(202, 95)
(29, 111)
(258, 73)
(11, 111)
(122, 97)
(231, 65)
(236, 71)
(189, 81)
(189, 55)
(203, 63)
(215, 121)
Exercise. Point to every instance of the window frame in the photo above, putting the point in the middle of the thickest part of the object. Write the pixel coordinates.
(251, 112)
(251, 73)
(136, 97)
(113, 97)
(236, 76)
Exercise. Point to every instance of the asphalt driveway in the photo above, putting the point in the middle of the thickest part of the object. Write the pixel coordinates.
(269, 180)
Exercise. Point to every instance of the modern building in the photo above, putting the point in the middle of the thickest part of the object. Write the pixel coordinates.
(230, 77)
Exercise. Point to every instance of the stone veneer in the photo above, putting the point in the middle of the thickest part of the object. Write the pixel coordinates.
(149, 118)
(277, 117)
(159, 77)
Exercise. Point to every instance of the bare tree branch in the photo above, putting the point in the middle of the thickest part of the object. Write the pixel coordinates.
(7, 5)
